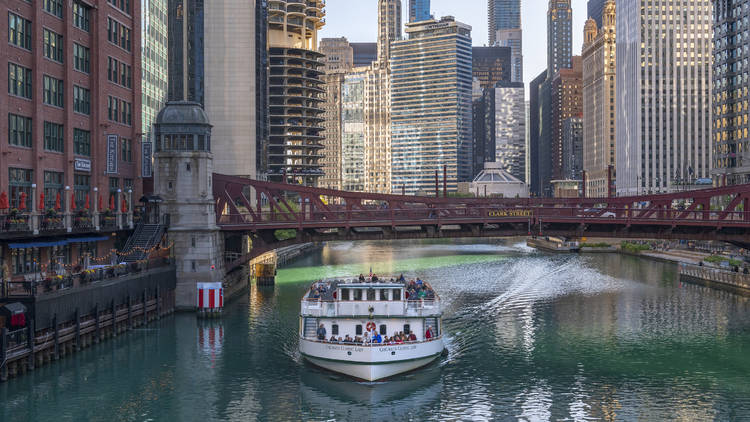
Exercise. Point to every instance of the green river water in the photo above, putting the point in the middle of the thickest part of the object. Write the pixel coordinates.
(530, 336)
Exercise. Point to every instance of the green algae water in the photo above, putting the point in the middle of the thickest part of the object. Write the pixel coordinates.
(530, 336)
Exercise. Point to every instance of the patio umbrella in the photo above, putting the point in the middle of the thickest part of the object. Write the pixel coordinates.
(22, 202)
(112, 202)
(4, 201)
(101, 206)
(124, 207)
(88, 204)
(57, 202)
(72, 201)
(41, 202)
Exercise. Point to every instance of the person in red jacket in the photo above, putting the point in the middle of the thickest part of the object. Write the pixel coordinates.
(428, 334)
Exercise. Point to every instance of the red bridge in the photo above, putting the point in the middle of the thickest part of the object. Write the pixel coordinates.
(260, 209)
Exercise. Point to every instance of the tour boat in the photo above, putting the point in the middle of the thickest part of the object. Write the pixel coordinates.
(361, 307)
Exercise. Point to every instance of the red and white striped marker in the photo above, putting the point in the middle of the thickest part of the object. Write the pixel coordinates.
(210, 296)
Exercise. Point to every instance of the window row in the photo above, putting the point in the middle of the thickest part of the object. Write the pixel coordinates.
(81, 58)
(19, 31)
(119, 34)
(20, 134)
(119, 72)
(53, 46)
(119, 111)
(123, 5)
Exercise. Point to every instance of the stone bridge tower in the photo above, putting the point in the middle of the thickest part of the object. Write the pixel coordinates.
(183, 166)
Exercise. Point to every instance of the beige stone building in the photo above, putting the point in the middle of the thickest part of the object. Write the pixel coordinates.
(338, 60)
(599, 92)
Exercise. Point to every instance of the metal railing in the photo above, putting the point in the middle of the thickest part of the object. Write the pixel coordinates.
(733, 278)
(47, 223)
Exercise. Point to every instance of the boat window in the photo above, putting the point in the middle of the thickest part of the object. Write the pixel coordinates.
(382, 329)
(344, 294)
(335, 329)
(407, 329)
(358, 330)
(383, 294)
(370, 294)
(357, 294)
(397, 294)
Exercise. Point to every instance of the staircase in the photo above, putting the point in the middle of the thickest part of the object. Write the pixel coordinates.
(145, 237)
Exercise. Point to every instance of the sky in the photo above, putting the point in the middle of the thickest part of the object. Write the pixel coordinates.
(357, 21)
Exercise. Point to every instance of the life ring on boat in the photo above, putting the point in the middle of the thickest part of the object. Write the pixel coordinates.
(370, 326)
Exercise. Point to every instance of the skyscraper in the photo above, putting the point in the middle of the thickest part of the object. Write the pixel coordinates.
(731, 141)
(353, 168)
(567, 102)
(535, 159)
(154, 68)
(510, 128)
(490, 65)
(364, 53)
(262, 122)
(502, 15)
(664, 94)
(513, 38)
(559, 36)
(389, 26)
(419, 10)
(295, 86)
(203, 68)
(572, 147)
(595, 10)
(431, 105)
(337, 62)
(599, 112)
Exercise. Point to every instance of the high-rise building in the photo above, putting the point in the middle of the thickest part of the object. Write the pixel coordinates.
(364, 53)
(559, 36)
(72, 108)
(203, 68)
(663, 94)
(353, 168)
(337, 60)
(572, 146)
(262, 122)
(535, 174)
(599, 112)
(389, 26)
(567, 102)
(296, 91)
(731, 141)
(502, 15)
(513, 38)
(154, 68)
(491, 65)
(482, 152)
(510, 128)
(419, 10)
(595, 10)
(431, 105)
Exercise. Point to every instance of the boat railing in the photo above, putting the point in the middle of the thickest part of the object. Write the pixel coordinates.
(319, 307)
(362, 344)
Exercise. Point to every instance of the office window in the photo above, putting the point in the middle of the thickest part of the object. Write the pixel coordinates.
(53, 45)
(53, 91)
(126, 150)
(19, 80)
(81, 16)
(82, 142)
(112, 110)
(19, 181)
(54, 137)
(19, 130)
(81, 187)
(53, 186)
(81, 58)
(19, 31)
(81, 100)
(123, 5)
(54, 7)
(118, 34)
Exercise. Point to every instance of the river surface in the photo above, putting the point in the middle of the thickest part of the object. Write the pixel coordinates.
(530, 336)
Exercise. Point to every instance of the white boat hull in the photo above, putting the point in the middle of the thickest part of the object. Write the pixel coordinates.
(370, 363)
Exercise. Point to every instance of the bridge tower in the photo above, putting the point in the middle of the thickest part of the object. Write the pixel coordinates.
(183, 166)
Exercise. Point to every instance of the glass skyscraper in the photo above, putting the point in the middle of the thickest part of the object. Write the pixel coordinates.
(431, 108)
(419, 10)
(154, 73)
(503, 14)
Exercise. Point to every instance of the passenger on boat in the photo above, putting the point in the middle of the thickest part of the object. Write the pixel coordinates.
(366, 338)
(428, 334)
(399, 340)
(321, 332)
(401, 278)
(347, 339)
(377, 338)
(374, 278)
(333, 339)
(361, 278)
(412, 337)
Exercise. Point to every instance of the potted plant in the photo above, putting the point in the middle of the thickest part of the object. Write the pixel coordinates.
(82, 218)
(108, 218)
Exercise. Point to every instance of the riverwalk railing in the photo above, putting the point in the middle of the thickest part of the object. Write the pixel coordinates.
(716, 275)
(35, 223)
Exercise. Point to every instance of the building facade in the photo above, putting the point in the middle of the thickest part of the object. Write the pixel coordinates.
(337, 61)
(595, 10)
(154, 67)
(599, 111)
(431, 105)
(419, 10)
(535, 173)
(296, 92)
(353, 166)
(364, 53)
(572, 146)
(185, 23)
(262, 122)
(559, 36)
(510, 128)
(513, 38)
(389, 26)
(731, 142)
(567, 102)
(502, 15)
(664, 95)
(491, 65)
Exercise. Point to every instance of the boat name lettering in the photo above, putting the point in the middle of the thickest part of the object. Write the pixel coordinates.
(389, 349)
(356, 349)
(509, 213)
